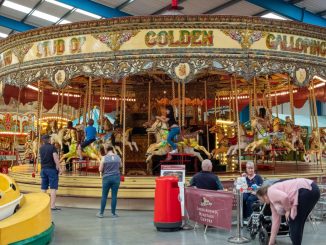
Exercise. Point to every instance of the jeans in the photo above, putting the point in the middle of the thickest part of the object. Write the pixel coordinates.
(110, 182)
(172, 133)
(248, 200)
(307, 199)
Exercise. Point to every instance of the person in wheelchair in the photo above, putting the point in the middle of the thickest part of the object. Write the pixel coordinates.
(254, 181)
(294, 199)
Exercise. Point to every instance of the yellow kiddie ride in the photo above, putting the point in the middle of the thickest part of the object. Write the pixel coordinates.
(24, 219)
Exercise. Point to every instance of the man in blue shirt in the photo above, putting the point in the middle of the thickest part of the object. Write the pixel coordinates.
(205, 179)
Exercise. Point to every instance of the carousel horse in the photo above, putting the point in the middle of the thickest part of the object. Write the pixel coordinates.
(314, 147)
(92, 151)
(243, 142)
(263, 137)
(279, 140)
(107, 140)
(118, 135)
(222, 148)
(188, 144)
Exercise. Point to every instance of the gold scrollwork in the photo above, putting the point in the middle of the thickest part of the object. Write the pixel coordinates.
(244, 37)
(114, 40)
(21, 50)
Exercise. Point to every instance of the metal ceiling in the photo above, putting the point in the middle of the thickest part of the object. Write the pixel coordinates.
(21, 15)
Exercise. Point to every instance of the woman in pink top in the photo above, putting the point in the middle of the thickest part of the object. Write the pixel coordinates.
(293, 198)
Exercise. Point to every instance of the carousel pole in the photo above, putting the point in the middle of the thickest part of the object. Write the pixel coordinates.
(317, 126)
(250, 103)
(269, 102)
(219, 105)
(173, 97)
(230, 104)
(79, 108)
(231, 100)
(215, 109)
(101, 114)
(40, 97)
(179, 102)
(85, 106)
(89, 98)
(238, 122)
(276, 105)
(58, 103)
(238, 239)
(206, 109)
(121, 103)
(149, 108)
(124, 127)
(61, 113)
(291, 99)
(183, 102)
(255, 97)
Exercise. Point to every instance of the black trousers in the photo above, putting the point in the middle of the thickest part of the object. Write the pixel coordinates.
(307, 199)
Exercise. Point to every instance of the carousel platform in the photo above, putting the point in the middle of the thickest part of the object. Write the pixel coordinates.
(137, 192)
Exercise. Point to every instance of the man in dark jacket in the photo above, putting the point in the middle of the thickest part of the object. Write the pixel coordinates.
(205, 179)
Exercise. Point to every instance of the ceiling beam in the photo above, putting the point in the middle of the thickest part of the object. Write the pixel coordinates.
(222, 6)
(321, 13)
(290, 11)
(65, 15)
(15, 24)
(261, 13)
(124, 4)
(95, 8)
(30, 13)
(166, 8)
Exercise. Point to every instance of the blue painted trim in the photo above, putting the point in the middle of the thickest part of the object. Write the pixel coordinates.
(95, 8)
(290, 11)
(244, 114)
(15, 25)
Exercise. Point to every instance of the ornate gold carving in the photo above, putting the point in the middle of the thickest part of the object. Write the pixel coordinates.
(245, 37)
(114, 40)
(21, 51)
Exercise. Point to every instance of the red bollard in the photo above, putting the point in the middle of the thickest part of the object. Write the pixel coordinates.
(167, 207)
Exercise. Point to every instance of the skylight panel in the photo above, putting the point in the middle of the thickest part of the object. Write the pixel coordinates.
(45, 16)
(273, 16)
(16, 6)
(3, 35)
(95, 16)
(64, 22)
(66, 6)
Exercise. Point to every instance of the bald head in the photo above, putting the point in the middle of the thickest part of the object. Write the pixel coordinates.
(206, 165)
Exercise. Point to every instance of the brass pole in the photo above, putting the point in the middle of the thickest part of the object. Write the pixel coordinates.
(291, 99)
(206, 109)
(238, 122)
(124, 127)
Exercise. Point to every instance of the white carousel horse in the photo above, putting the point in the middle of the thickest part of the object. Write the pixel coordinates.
(127, 139)
(263, 138)
(107, 141)
(314, 147)
(242, 145)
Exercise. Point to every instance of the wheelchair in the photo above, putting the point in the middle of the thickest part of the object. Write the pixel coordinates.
(260, 223)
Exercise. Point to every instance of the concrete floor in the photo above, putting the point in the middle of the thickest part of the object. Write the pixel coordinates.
(80, 226)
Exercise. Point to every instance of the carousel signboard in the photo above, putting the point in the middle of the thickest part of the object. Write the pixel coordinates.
(296, 44)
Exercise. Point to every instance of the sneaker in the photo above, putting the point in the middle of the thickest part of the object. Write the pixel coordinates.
(114, 216)
(99, 215)
(174, 151)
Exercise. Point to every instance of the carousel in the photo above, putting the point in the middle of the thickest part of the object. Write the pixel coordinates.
(123, 72)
